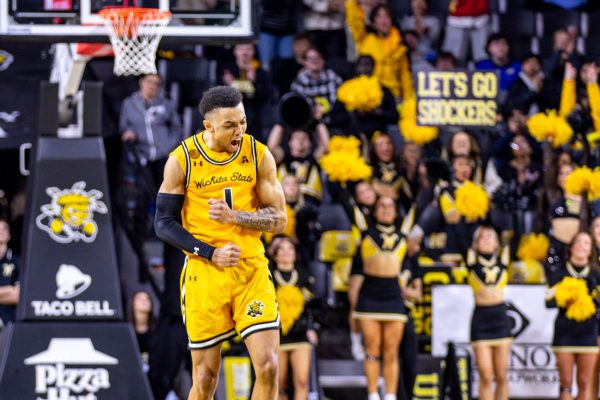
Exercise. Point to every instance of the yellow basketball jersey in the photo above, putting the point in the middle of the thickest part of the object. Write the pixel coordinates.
(224, 176)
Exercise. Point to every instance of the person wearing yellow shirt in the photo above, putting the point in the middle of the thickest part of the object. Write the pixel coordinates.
(382, 41)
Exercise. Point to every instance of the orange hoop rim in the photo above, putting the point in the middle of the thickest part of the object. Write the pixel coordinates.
(149, 14)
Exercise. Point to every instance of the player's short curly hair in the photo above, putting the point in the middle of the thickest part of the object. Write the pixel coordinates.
(218, 97)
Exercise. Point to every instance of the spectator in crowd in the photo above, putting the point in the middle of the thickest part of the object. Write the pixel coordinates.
(490, 325)
(498, 49)
(150, 123)
(462, 143)
(284, 71)
(445, 61)
(564, 51)
(298, 333)
(575, 342)
(9, 277)
(324, 23)
(418, 59)
(427, 27)
(365, 122)
(382, 41)
(524, 93)
(277, 29)
(380, 308)
(143, 320)
(315, 80)
(246, 75)
(519, 164)
(468, 24)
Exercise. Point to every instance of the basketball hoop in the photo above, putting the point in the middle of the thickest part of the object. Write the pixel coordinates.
(134, 35)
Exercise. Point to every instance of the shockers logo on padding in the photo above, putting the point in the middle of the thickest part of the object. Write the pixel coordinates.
(71, 368)
(70, 215)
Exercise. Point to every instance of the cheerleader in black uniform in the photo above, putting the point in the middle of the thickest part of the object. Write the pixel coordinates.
(596, 236)
(380, 308)
(490, 325)
(564, 216)
(457, 228)
(296, 344)
(387, 176)
(575, 343)
(359, 211)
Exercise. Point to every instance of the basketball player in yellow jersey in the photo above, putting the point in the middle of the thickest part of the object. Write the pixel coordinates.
(220, 191)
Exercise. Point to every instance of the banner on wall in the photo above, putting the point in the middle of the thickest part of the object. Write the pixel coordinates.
(457, 98)
(532, 371)
(436, 274)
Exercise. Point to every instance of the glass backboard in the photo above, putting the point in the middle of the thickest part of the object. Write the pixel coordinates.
(197, 21)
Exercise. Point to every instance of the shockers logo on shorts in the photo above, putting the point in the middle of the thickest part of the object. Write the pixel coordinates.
(255, 309)
(70, 215)
(70, 369)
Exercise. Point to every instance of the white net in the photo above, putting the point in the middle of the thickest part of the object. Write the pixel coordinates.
(134, 35)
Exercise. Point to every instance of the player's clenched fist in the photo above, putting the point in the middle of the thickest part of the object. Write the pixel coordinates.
(219, 211)
(226, 256)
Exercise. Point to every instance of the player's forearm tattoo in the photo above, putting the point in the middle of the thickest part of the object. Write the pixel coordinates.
(263, 220)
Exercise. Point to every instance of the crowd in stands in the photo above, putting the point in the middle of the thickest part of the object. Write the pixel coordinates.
(407, 210)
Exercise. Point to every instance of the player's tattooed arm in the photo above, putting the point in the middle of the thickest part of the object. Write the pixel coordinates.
(264, 220)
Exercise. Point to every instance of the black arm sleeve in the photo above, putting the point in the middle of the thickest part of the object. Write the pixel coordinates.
(167, 225)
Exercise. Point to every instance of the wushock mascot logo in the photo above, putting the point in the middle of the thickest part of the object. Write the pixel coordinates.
(70, 215)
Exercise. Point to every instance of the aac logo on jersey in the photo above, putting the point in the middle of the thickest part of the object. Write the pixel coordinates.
(70, 215)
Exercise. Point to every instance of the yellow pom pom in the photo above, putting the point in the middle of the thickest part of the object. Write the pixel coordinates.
(569, 290)
(343, 162)
(345, 144)
(290, 300)
(562, 130)
(408, 125)
(594, 190)
(538, 126)
(56, 225)
(551, 127)
(472, 202)
(362, 94)
(578, 181)
(533, 247)
(582, 308)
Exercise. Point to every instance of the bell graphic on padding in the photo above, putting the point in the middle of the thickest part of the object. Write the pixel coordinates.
(70, 281)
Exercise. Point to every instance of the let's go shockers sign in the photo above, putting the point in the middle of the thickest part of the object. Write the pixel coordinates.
(457, 98)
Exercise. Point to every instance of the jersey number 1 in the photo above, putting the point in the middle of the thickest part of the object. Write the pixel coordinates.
(228, 194)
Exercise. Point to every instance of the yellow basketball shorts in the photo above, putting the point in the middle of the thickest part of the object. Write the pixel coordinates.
(216, 302)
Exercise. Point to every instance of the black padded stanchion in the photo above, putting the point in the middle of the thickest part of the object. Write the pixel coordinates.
(69, 341)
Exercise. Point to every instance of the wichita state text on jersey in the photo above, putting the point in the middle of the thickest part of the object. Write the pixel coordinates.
(231, 177)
